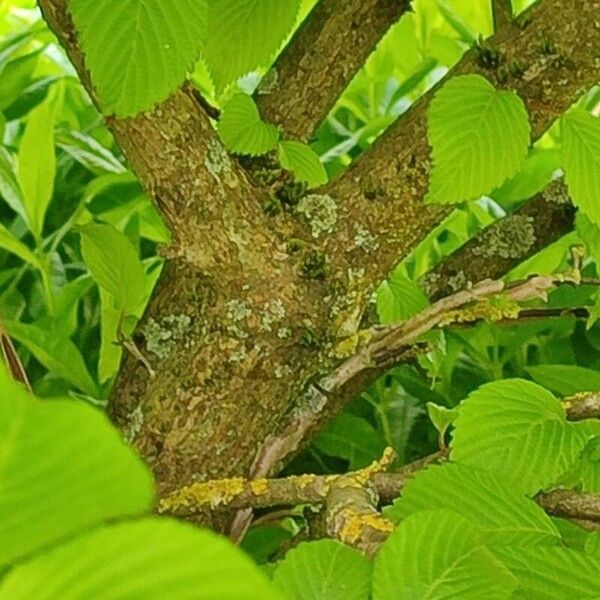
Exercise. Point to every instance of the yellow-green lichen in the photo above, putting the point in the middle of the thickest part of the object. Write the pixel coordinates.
(209, 493)
(274, 312)
(365, 240)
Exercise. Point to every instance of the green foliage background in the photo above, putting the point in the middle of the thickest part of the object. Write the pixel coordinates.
(78, 262)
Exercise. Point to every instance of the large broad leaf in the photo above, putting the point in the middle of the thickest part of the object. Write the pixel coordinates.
(565, 379)
(504, 515)
(581, 160)
(352, 438)
(241, 129)
(63, 468)
(324, 570)
(436, 555)
(114, 264)
(142, 51)
(37, 164)
(303, 162)
(151, 559)
(245, 34)
(552, 573)
(479, 137)
(517, 430)
(56, 352)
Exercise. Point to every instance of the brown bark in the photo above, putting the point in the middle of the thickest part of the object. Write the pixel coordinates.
(322, 58)
(239, 324)
(505, 243)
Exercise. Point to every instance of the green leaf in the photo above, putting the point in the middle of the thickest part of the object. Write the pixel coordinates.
(479, 137)
(10, 189)
(63, 468)
(324, 570)
(241, 129)
(518, 431)
(245, 34)
(110, 349)
(352, 438)
(154, 559)
(11, 244)
(436, 555)
(142, 51)
(114, 264)
(303, 162)
(441, 417)
(504, 515)
(88, 152)
(37, 164)
(565, 380)
(552, 573)
(16, 75)
(398, 299)
(56, 352)
(592, 545)
(581, 160)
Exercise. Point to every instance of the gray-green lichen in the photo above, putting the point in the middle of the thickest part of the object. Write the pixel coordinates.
(238, 310)
(269, 82)
(238, 355)
(365, 239)
(135, 421)
(282, 371)
(163, 336)
(320, 213)
(512, 237)
(218, 163)
(557, 192)
(274, 312)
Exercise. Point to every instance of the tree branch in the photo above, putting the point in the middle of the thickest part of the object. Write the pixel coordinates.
(321, 59)
(569, 504)
(502, 13)
(585, 405)
(505, 243)
(381, 215)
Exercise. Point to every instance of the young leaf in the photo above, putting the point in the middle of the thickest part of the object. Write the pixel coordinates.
(517, 430)
(398, 299)
(10, 189)
(64, 468)
(143, 50)
(552, 573)
(114, 264)
(479, 137)
(303, 162)
(241, 129)
(154, 559)
(245, 34)
(324, 570)
(37, 164)
(581, 160)
(441, 417)
(504, 515)
(436, 555)
(11, 244)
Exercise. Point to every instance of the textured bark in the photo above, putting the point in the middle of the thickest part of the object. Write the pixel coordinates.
(571, 505)
(239, 324)
(322, 58)
(505, 243)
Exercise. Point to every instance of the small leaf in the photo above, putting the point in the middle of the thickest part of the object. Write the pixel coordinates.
(479, 136)
(324, 570)
(143, 50)
(303, 162)
(11, 244)
(245, 34)
(154, 559)
(241, 129)
(37, 165)
(398, 299)
(581, 160)
(114, 264)
(63, 468)
(518, 431)
(505, 516)
(436, 555)
(10, 189)
(441, 417)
